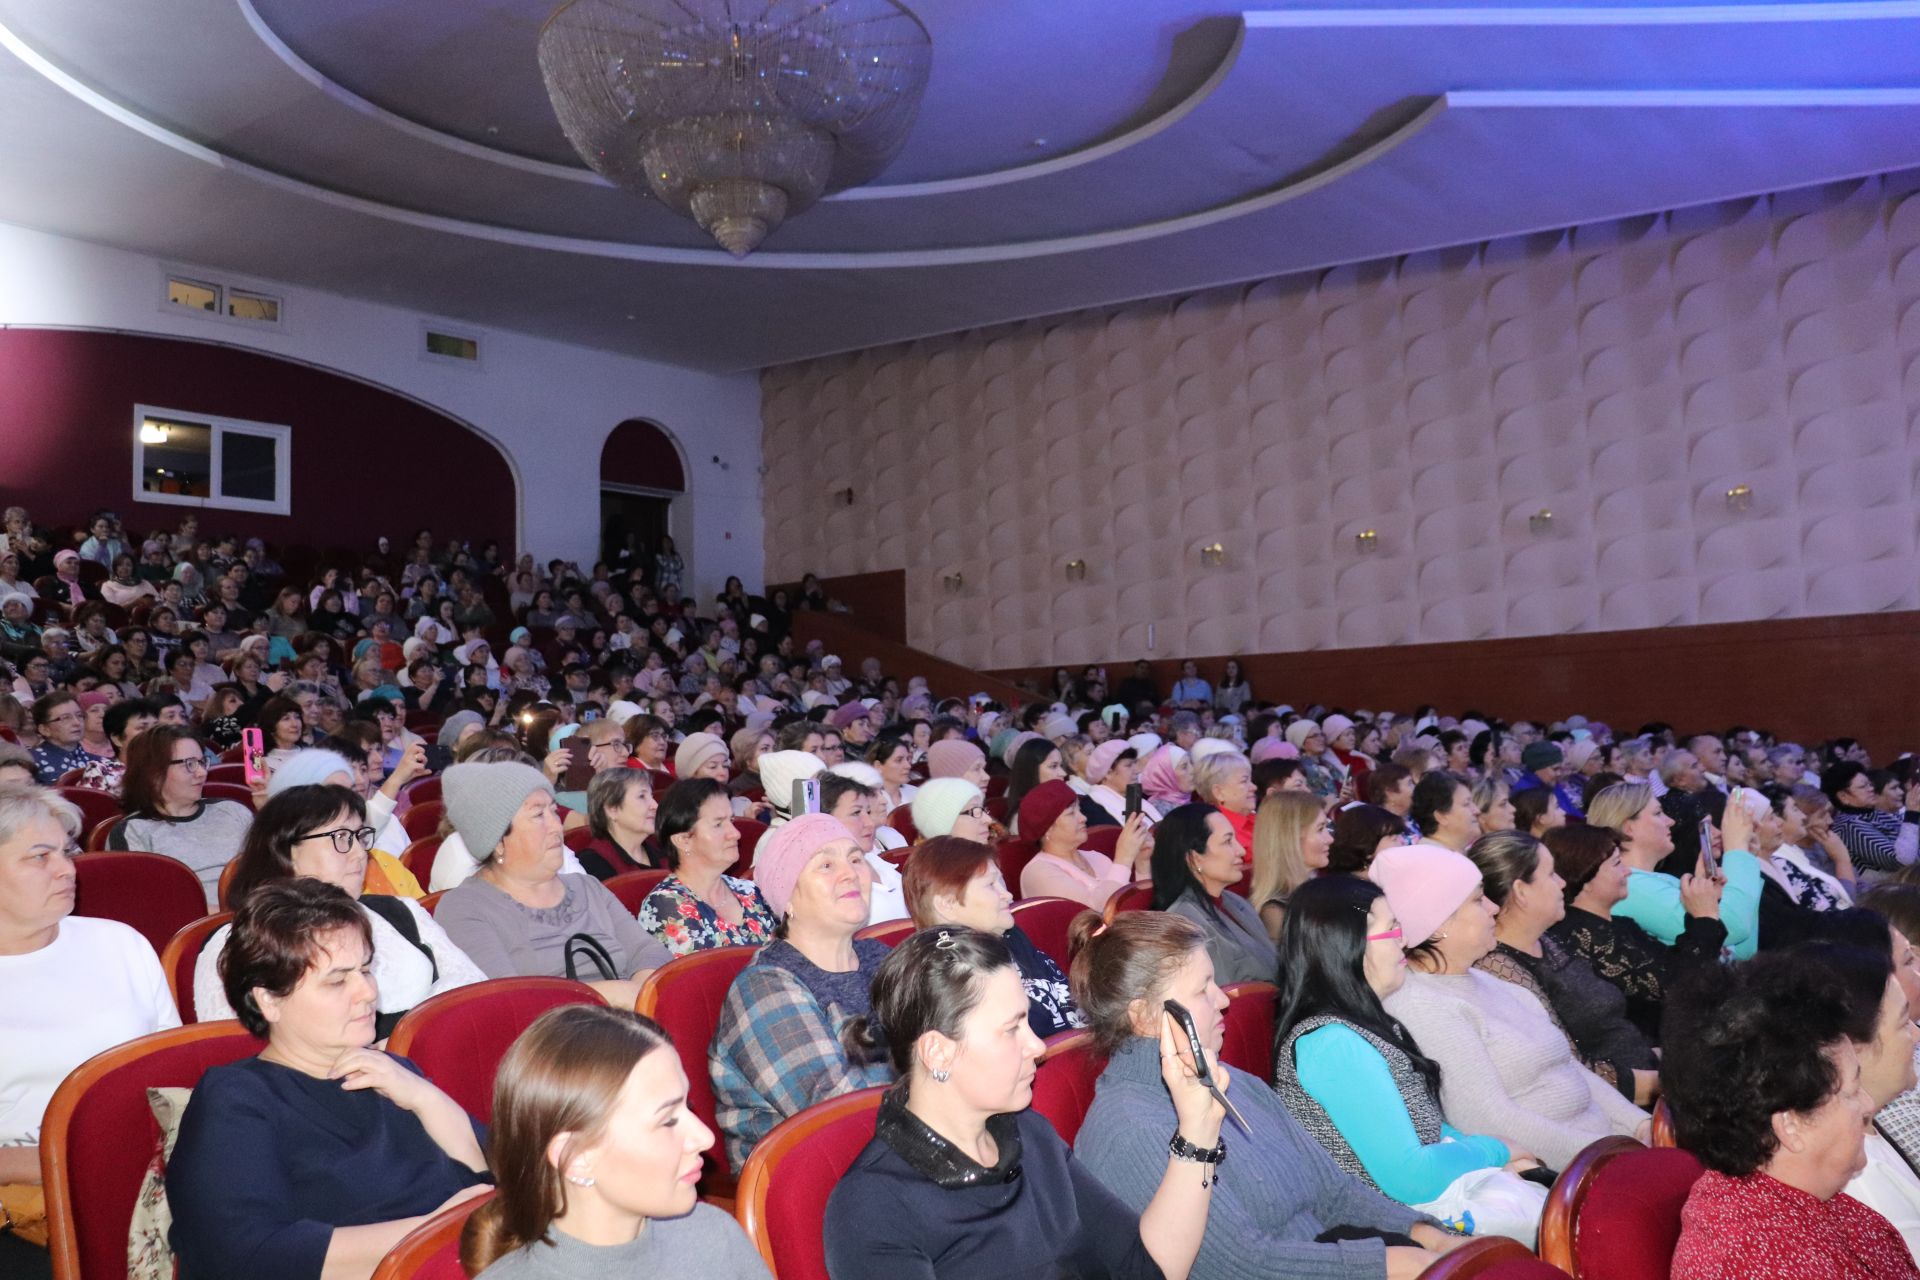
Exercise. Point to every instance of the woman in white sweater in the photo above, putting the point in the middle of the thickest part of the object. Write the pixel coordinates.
(1505, 1068)
(322, 832)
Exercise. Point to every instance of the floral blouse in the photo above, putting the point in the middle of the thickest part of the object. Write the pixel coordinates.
(685, 923)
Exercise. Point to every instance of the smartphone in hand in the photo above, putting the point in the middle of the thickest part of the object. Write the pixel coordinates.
(1134, 798)
(806, 796)
(1184, 1020)
(253, 753)
(1707, 860)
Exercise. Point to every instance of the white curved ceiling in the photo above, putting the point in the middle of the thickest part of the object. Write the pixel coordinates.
(1072, 153)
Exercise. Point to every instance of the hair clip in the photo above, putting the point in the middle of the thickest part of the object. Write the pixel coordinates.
(945, 941)
(1098, 930)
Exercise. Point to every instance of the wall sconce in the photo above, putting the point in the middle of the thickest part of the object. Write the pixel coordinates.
(1367, 541)
(1541, 522)
(1213, 555)
(152, 432)
(844, 495)
(1740, 498)
(953, 582)
(1077, 570)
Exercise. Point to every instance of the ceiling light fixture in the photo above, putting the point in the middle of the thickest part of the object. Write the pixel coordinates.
(154, 433)
(1541, 522)
(735, 121)
(1367, 541)
(1740, 498)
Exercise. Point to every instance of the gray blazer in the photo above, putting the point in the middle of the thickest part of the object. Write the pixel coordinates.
(1236, 938)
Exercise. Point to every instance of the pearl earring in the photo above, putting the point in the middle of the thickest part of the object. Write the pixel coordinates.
(940, 1075)
(579, 1181)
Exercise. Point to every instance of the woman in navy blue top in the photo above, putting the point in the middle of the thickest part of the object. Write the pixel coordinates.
(962, 1179)
(315, 1156)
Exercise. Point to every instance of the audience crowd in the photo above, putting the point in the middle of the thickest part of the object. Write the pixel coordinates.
(1494, 942)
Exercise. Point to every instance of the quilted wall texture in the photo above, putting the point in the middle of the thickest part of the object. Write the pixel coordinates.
(1623, 375)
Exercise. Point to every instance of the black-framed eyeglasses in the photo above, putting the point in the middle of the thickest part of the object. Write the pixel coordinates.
(192, 764)
(344, 838)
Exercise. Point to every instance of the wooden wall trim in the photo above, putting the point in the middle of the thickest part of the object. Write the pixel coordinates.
(877, 600)
(844, 636)
(1804, 678)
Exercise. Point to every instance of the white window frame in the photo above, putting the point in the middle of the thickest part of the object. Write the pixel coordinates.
(222, 291)
(461, 331)
(259, 295)
(282, 503)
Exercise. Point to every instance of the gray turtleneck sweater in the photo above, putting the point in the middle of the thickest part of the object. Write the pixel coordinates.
(706, 1240)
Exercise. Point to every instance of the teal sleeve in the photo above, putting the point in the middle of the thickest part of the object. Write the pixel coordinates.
(1351, 1082)
(1653, 903)
(1492, 1150)
(1740, 902)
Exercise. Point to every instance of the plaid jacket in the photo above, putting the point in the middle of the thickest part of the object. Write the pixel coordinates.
(775, 1053)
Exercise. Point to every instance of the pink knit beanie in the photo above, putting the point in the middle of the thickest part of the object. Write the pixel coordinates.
(1425, 884)
(785, 853)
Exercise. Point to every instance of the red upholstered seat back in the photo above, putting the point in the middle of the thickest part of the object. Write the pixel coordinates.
(99, 1135)
(431, 1251)
(891, 932)
(1063, 1085)
(684, 996)
(422, 791)
(792, 1172)
(1013, 857)
(1129, 897)
(418, 858)
(1629, 1222)
(155, 894)
(1248, 1042)
(423, 819)
(1045, 922)
(632, 887)
(94, 805)
(751, 833)
(901, 820)
(1104, 840)
(238, 792)
(458, 1037)
(182, 953)
(1492, 1258)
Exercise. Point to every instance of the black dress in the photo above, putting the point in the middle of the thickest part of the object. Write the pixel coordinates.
(1636, 962)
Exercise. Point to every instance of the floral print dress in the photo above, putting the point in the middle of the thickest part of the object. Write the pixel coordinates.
(684, 923)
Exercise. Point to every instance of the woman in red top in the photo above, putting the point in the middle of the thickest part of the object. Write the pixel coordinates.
(1225, 781)
(1765, 1088)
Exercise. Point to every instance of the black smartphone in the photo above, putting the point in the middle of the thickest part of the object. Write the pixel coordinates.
(579, 770)
(1707, 859)
(1133, 798)
(1184, 1021)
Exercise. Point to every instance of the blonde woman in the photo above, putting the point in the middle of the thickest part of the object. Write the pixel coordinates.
(1291, 837)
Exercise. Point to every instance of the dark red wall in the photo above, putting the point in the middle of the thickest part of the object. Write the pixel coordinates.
(366, 462)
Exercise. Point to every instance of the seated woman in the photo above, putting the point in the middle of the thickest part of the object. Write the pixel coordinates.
(1224, 779)
(621, 813)
(76, 986)
(1062, 869)
(454, 862)
(1879, 839)
(161, 796)
(700, 906)
(1766, 1089)
(1167, 778)
(1444, 811)
(1505, 1068)
(1037, 761)
(1518, 875)
(962, 1179)
(1110, 769)
(319, 766)
(954, 881)
(1281, 1208)
(851, 792)
(1656, 901)
(957, 758)
(949, 807)
(1355, 1080)
(520, 914)
(795, 1027)
(1292, 841)
(1594, 878)
(1811, 864)
(598, 1156)
(1361, 833)
(313, 1158)
(321, 832)
(282, 726)
(1493, 800)
(1196, 860)
(1537, 811)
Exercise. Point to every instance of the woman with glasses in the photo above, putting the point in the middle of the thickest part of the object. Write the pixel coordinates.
(166, 772)
(61, 722)
(321, 832)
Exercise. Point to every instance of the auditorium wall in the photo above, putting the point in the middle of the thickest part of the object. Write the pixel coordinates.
(1624, 376)
(542, 409)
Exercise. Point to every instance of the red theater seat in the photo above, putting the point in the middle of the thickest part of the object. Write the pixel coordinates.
(1013, 857)
(751, 833)
(182, 953)
(431, 1251)
(423, 819)
(790, 1175)
(891, 932)
(1102, 840)
(95, 806)
(684, 996)
(418, 858)
(1248, 1041)
(1492, 1258)
(1137, 896)
(1063, 1085)
(901, 820)
(632, 887)
(99, 1135)
(1614, 1213)
(1045, 922)
(458, 1037)
(155, 894)
(238, 792)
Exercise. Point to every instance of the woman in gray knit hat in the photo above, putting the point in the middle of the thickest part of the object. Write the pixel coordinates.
(518, 915)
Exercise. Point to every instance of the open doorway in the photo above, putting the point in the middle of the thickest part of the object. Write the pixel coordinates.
(631, 527)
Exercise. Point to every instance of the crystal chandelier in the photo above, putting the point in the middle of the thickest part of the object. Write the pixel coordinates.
(736, 113)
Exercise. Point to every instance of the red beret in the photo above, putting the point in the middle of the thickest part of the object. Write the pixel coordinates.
(1041, 807)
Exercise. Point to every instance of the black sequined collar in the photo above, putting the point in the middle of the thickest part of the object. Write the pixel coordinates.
(932, 1155)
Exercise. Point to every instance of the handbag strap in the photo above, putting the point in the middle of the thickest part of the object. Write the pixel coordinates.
(595, 951)
(395, 913)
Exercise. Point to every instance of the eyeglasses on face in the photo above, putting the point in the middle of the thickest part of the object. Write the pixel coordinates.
(344, 838)
(976, 812)
(192, 764)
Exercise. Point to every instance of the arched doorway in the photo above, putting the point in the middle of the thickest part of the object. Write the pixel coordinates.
(640, 477)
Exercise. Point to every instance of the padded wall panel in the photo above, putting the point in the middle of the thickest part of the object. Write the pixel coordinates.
(1623, 375)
